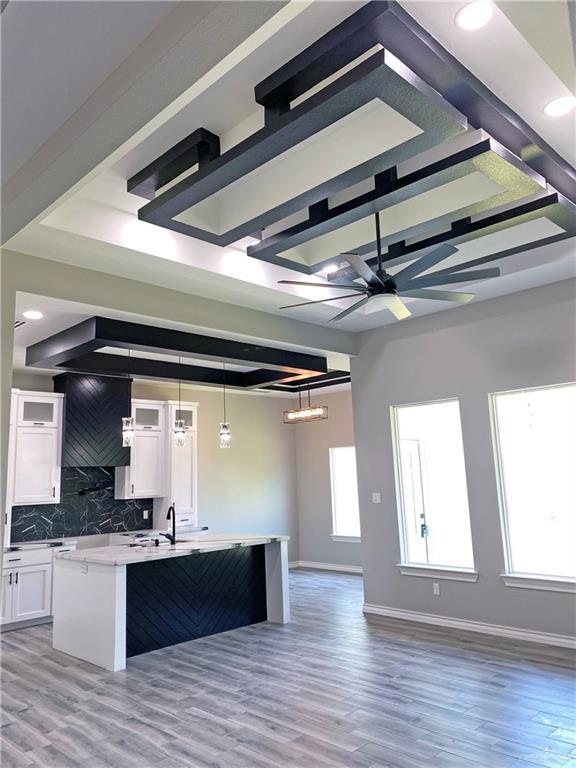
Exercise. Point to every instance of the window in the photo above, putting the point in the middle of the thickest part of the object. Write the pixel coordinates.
(431, 485)
(535, 448)
(345, 508)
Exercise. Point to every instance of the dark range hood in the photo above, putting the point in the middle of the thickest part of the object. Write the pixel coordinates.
(93, 410)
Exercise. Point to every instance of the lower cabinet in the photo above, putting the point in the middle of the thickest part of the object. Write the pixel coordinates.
(26, 593)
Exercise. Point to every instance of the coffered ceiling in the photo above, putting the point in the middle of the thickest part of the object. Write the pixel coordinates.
(445, 171)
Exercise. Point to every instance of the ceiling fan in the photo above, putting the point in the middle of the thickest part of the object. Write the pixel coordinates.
(383, 291)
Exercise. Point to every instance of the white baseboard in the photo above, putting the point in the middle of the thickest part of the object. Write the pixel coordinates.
(564, 641)
(325, 566)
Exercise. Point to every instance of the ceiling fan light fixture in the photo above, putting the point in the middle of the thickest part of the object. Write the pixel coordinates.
(379, 302)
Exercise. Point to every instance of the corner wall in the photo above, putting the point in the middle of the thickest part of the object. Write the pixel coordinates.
(313, 442)
(522, 340)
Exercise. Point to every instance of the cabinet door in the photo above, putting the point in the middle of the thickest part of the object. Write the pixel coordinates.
(148, 416)
(36, 466)
(183, 480)
(38, 411)
(6, 597)
(32, 596)
(147, 464)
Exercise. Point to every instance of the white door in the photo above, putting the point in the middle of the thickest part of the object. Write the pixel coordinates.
(36, 466)
(6, 597)
(183, 469)
(32, 592)
(147, 464)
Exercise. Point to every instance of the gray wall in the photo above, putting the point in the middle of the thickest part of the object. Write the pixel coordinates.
(522, 340)
(313, 442)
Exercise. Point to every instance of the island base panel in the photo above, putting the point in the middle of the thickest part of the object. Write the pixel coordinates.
(175, 600)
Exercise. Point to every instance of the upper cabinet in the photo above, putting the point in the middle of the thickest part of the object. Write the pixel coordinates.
(148, 415)
(34, 460)
(145, 477)
(35, 410)
(182, 465)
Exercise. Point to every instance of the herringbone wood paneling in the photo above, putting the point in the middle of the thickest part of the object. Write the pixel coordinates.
(172, 601)
(93, 410)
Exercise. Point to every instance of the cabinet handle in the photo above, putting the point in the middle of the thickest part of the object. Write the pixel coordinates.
(10, 578)
(16, 580)
(14, 559)
(53, 491)
(132, 487)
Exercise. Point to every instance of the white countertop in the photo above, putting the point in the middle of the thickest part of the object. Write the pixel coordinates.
(124, 555)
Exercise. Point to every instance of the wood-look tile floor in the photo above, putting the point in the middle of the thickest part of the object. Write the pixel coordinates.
(330, 690)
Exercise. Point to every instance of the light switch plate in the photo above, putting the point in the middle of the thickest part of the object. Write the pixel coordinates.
(376, 498)
(146, 514)
(436, 589)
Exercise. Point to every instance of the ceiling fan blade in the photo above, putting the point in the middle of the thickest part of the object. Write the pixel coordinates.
(361, 268)
(455, 277)
(351, 309)
(423, 263)
(399, 309)
(351, 286)
(426, 293)
(320, 301)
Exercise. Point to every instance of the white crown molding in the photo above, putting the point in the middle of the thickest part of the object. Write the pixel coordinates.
(498, 630)
(325, 566)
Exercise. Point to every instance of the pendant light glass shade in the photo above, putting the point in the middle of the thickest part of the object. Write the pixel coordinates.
(225, 435)
(179, 433)
(128, 432)
(128, 423)
(178, 429)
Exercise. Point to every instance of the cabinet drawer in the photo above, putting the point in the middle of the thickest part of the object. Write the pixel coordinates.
(28, 557)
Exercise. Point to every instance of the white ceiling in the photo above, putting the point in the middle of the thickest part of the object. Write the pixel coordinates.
(54, 55)
(96, 225)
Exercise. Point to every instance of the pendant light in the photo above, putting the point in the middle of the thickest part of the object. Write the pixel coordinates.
(225, 435)
(128, 423)
(309, 413)
(179, 431)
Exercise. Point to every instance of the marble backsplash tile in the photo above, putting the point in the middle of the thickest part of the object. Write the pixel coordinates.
(81, 514)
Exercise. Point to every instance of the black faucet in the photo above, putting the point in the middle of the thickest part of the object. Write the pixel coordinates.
(171, 516)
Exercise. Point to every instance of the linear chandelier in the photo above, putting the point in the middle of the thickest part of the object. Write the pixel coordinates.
(308, 413)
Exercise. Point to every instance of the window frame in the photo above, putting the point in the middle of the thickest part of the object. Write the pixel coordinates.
(510, 577)
(341, 537)
(405, 566)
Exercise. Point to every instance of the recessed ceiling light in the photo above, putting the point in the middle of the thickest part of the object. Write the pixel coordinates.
(475, 15)
(32, 314)
(560, 106)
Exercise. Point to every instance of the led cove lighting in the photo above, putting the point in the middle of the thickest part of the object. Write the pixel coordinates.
(32, 314)
(561, 106)
(474, 15)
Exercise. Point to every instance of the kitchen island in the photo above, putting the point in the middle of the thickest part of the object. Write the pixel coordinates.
(111, 603)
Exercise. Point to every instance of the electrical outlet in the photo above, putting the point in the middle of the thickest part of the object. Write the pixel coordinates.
(146, 514)
(376, 498)
(436, 589)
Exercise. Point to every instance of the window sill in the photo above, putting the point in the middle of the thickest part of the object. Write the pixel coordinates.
(346, 539)
(437, 572)
(545, 583)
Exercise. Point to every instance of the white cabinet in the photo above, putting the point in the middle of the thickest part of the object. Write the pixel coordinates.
(145, 478)
(182, 467)
(34, 450)
(27, 583)
(32, 592)
(37, 466)
(26, 593)
(6, 597)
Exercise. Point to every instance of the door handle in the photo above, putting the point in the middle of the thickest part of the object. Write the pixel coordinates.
(16, 580)
(10, 578)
